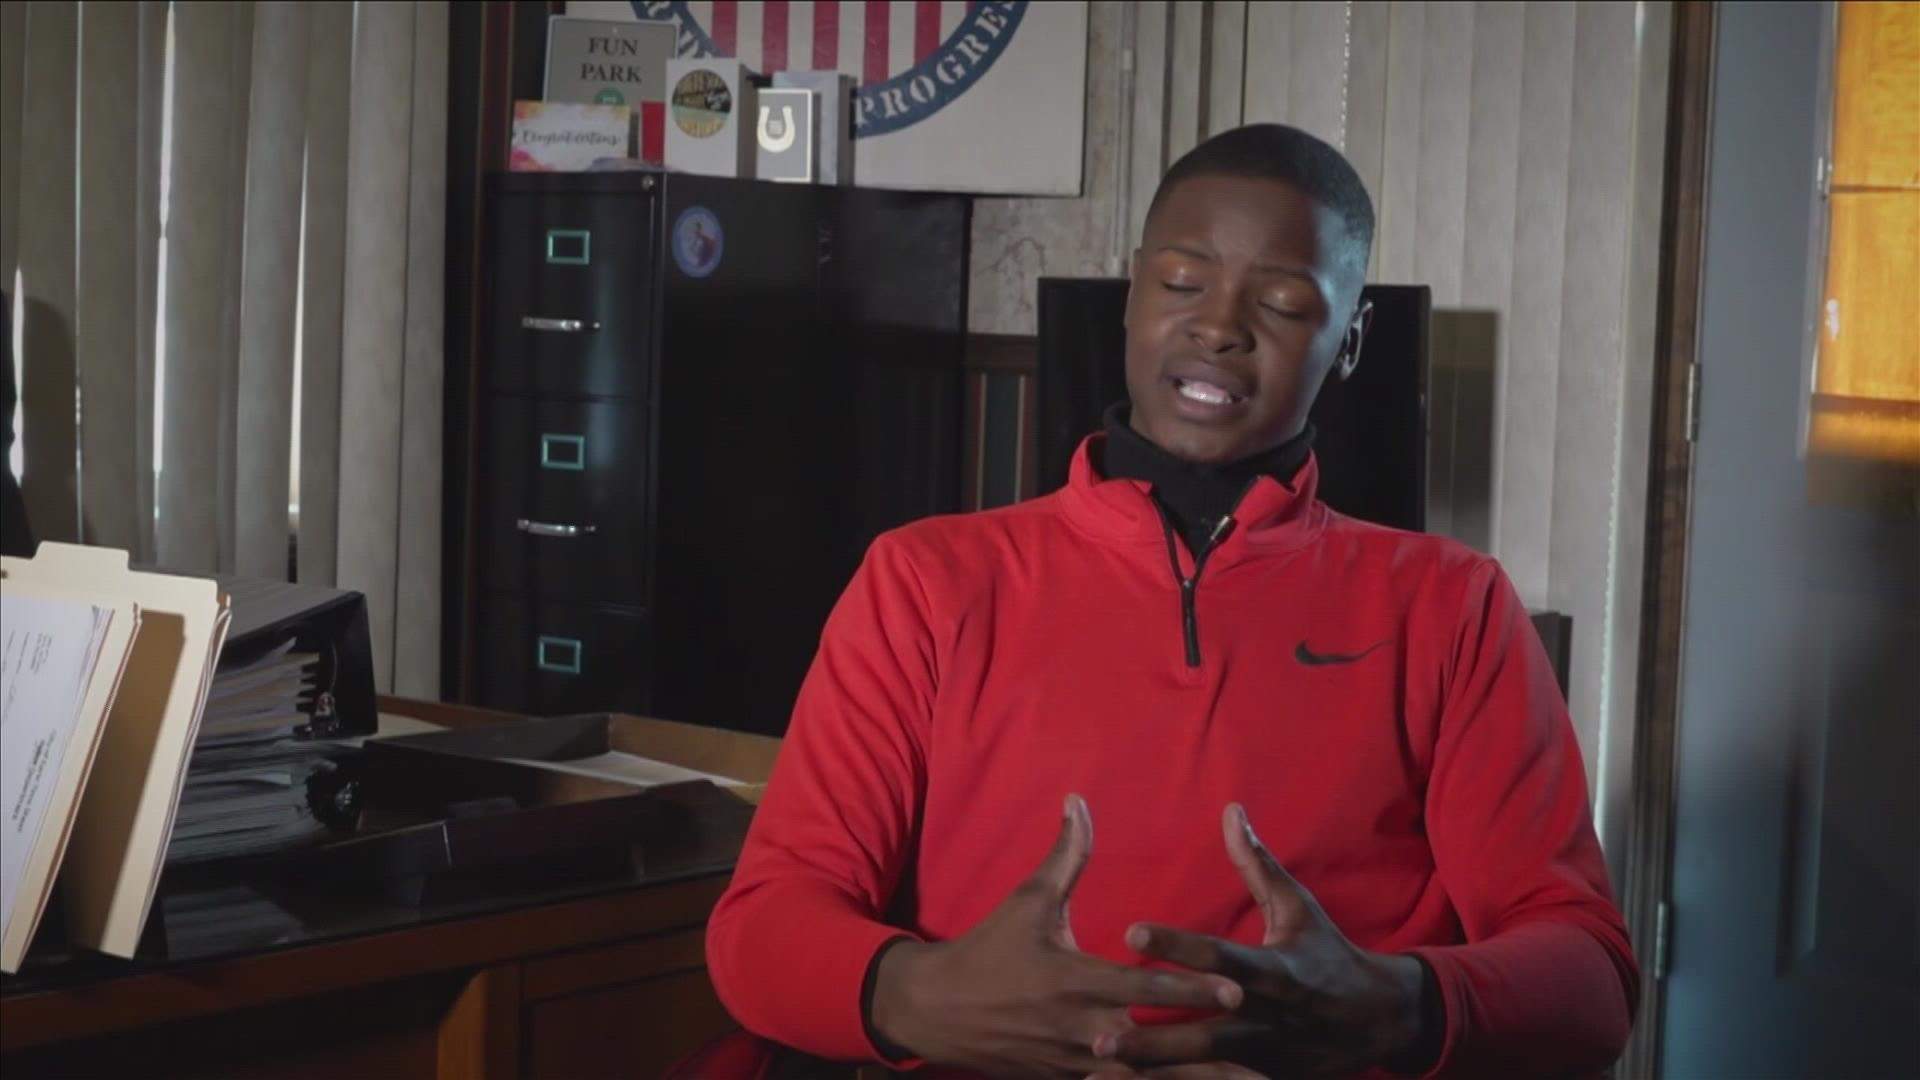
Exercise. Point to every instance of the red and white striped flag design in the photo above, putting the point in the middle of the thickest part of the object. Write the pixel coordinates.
(871, 39)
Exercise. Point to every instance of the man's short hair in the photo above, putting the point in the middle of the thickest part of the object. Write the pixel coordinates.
(1289, 156)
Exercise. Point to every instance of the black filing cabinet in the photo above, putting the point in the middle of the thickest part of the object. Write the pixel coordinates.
(681, 449)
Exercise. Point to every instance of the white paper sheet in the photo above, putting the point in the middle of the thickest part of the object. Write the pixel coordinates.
(48, 651)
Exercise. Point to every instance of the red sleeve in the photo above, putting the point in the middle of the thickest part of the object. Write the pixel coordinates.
(790, 942)
(1547, 983)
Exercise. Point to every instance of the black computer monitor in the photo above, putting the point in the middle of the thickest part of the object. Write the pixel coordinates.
(1372, 428)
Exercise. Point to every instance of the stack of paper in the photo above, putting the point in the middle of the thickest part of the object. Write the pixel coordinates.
(61, 659)
(95, 798)
(247, 782)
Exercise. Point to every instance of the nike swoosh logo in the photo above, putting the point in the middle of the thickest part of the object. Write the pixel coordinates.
(1313, 659)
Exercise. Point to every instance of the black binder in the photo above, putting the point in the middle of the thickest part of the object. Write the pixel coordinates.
(330, 622)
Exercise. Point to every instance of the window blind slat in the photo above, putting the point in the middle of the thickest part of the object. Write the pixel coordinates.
(329, 74)
(48, 434)
(107, 304)
(200, 246)
(417, 588)
(372, 357)
(270, 268)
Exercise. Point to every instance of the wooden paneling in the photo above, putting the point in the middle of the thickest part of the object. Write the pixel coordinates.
(384, 1030)
(609, 965)
(1869, 337)
(1867, 405)
(37, 1018)
(1876, 115)
(479, 1036)
(593, 1034)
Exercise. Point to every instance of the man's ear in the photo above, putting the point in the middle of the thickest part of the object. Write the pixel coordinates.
(1356, 335)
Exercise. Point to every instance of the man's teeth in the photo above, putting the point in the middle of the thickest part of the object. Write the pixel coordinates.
(1204, 392)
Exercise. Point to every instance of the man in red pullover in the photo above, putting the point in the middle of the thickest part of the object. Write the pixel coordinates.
(1343, 820)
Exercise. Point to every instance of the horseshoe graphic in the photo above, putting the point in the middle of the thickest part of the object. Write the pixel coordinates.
(772, 141)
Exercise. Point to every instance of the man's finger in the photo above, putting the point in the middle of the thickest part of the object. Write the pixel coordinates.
(1208, 1071)
(1167, 1045)
(1112, 984)
(1197, 952)
(1063, 864)
(1206, 1045)
(1212, 1070)
(1284, 903)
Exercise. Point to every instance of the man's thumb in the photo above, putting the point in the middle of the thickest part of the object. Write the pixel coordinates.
(1282, 900)
(1069, 855)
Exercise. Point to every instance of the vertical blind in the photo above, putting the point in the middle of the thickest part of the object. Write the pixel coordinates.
(247, 213)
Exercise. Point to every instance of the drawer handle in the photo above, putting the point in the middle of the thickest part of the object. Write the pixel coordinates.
(567, 453)
(558, 326)
(542, 528)
(558, 654)
(569, 247)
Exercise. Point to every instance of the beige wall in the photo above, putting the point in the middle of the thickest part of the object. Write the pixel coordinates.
(1514, 153)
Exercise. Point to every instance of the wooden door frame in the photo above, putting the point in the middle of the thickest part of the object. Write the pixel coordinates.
(1649, 857)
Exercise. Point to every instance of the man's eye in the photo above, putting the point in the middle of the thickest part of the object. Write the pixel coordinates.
(1282, 312)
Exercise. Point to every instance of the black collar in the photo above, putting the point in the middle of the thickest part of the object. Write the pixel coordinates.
(1193, 496)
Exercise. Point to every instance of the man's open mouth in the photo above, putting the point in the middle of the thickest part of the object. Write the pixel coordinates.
(1206, 393)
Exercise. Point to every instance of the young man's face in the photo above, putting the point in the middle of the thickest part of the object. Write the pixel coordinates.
(1242, 298)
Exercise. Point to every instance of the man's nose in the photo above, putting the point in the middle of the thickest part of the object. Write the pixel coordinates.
(1219, 327)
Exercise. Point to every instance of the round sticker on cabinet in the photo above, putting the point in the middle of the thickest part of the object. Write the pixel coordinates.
(701, 103)
(697, 241)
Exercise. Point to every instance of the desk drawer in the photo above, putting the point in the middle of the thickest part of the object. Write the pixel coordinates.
(566, 517)
(572, 294)
(548, 658)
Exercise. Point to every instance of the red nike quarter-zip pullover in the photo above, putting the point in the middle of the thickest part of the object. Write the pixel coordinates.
(1377, 699)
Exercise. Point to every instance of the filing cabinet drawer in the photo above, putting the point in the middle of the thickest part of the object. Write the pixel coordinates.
(566, 513)
(548, 658)
(571, 296)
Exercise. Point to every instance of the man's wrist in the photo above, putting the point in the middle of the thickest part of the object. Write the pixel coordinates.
(886, 1003)
(1419, 1026)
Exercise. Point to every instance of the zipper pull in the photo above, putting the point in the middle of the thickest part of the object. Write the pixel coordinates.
(1221, 530)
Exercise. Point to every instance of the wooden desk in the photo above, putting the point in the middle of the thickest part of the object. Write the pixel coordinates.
(605, 980)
